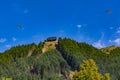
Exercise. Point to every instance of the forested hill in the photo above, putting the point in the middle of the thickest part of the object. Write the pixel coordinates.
(29, 62)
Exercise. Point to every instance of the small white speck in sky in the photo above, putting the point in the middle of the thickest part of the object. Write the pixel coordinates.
(2, 40)
(79, 26)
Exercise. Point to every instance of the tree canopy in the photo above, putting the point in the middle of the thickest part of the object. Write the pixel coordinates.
(89, 71)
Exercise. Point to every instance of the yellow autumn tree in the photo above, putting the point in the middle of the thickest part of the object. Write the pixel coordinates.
(89, 71)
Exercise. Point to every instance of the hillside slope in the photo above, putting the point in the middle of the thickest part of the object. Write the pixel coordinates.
(74, 52)
(57, 62)
(49, 66)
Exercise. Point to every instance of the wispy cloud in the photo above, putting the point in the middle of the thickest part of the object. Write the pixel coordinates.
(14, 39)
(2, 40)
(118, 30)
(99, 43)
(8, 46)
(116, 41)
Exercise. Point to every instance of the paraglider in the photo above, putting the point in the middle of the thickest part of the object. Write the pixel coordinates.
(19, 26)
(109, 11)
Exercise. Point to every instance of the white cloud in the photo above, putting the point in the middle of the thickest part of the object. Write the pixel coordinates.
(8, 46)
(2, 40)
(79, 26)
(118, 30)
(14, 39)
(116, 41)
(110, 41)
(98, 44)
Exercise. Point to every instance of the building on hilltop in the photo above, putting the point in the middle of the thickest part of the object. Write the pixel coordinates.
(50, 39)
(50, 43)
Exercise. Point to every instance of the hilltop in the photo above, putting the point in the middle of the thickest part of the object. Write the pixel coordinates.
(56, 59)
(50, 43)
(108, 49)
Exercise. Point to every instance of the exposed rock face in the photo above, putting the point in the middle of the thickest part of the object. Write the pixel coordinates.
(49, 45)
(30, 53)
(108, 49)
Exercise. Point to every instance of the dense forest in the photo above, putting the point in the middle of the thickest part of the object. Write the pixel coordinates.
(28, 62)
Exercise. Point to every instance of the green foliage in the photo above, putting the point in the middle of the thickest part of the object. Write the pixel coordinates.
(91, 52)
(115, 52)
(19, 52)
(15, 63)
(70, 51)
(74, 52)
(47, 66)
(38, 49)
(89, 71)
(3, 78)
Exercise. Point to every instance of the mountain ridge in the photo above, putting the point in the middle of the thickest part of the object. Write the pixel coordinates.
(57, 62)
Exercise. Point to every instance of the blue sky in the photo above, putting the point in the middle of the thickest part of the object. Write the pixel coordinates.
(82, 20)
